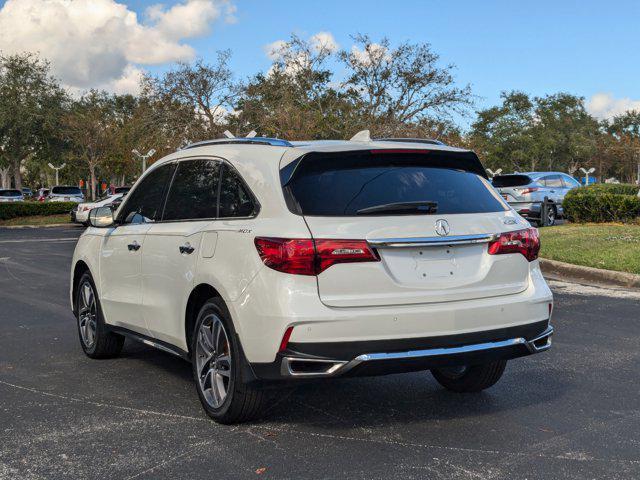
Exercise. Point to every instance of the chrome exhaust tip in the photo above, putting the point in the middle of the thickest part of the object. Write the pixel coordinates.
(310, 367)
(542, 342)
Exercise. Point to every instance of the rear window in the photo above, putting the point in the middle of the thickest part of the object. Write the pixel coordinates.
(66, 191)
(10, 193)
(502, 181)
(388, 183)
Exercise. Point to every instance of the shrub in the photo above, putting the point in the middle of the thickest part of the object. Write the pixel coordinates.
(620, 188)
(602, 203)
(29, 209)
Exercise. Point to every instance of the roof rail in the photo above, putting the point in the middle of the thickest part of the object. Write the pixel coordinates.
(274, 142)
(429, 141)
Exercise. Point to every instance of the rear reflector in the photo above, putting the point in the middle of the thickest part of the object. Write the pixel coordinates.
(285, 339)
(525, 242)
(308, 257)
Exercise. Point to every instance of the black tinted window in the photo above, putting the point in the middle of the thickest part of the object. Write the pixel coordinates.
(66, 191)
(194, 191)
(144, 204)
(235, 200)
(10, 193)
(352, 184)
(505, 181)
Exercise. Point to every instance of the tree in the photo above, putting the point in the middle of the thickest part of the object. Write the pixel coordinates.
(90, 127)
(553, 132)
(403, 85)
(31, 106)
(564, 133)
(296, 98)
(501, 135)
(208, 89)
(624, 145)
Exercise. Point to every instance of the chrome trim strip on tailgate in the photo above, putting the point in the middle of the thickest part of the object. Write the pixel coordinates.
(409, 242)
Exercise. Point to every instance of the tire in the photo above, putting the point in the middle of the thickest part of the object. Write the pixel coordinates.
(471, 378)
(216, 366)
(552, 215)
(95, 338)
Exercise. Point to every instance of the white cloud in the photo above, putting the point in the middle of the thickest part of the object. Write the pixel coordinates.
(604, 105)
(324, 40)
(275, 50)
(295, 61)
(101, 43)
(373, 53)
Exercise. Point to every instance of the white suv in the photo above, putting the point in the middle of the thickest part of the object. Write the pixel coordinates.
(263, 261)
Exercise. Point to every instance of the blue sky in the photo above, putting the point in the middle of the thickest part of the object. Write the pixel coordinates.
(584, 47)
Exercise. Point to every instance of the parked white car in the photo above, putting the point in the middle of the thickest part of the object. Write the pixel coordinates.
(11, 195)
(64, 193)
(81, 213)
(264, 260)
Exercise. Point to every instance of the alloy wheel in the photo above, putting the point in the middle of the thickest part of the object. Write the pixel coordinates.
(551, 216)
(87, 315)
(213, 360)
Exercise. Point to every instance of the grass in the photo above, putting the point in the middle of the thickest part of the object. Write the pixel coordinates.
(37, 220)
(608, 246)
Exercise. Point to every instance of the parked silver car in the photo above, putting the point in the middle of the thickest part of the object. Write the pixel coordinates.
(525, 192)
(11, 195)
(63, 193)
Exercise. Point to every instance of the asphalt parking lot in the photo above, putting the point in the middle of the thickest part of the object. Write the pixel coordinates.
(572, 412)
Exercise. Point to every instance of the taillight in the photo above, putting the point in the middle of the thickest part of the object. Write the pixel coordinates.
(308, 257)
(526, 242)
(527, 190)
(288, 255)
(330, 252)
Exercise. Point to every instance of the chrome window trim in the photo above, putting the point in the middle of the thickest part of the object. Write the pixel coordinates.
(410, 242)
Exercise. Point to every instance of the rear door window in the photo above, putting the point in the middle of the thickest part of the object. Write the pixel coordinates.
(389, 183)
(553, 181)
(194, 191)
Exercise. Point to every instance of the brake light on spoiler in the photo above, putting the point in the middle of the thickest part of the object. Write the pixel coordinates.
(304, 256)
(526, 242)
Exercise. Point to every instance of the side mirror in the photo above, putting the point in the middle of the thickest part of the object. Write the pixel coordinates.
(101, 217)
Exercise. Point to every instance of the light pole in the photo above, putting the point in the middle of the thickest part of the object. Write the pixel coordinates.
(144, 157)
(57, 169)
(587, 172)
(492, 173)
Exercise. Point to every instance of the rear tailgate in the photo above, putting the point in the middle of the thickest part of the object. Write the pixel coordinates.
(424, 257)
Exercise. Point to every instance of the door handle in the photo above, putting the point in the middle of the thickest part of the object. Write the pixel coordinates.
(135, 246)
(186, 249)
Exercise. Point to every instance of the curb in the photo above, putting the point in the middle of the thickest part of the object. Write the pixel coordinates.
(41, 226)
(589, 275)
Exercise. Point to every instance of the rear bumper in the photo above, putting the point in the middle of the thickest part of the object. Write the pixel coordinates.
(319, 360)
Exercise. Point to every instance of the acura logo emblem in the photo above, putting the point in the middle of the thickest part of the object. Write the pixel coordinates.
(442, 228)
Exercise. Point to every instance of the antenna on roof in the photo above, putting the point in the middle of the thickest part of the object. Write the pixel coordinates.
(251, 134)
(361, 136)
(228, 134)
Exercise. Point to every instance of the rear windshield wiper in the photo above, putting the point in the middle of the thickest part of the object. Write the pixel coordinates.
(401, 208)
